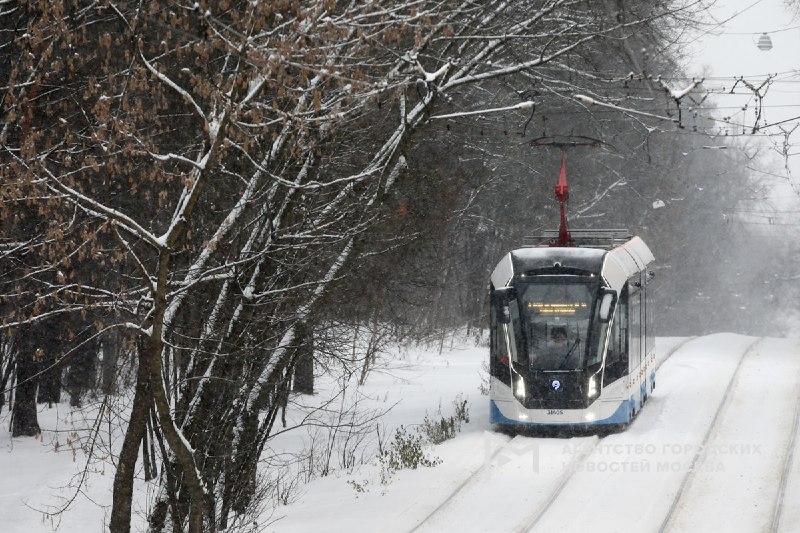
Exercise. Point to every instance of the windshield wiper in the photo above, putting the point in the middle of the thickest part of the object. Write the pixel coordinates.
(569, 352)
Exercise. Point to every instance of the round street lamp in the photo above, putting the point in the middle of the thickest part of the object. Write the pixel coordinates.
(764, 43)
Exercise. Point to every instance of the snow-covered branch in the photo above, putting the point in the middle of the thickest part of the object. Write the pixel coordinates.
(522, 106)
(589, 101)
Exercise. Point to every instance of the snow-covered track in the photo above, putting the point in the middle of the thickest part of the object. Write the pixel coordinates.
(574, 466)
(499, 474)
(746, 467)
(662, 358)
(777, 512)
(723, 405)
(531, 521)
(535, 468)
(629, 482)
(468, 481)
(716, 448)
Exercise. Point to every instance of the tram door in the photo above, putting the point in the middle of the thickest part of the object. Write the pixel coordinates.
(617, 359)
(514, 328)
(635, 304)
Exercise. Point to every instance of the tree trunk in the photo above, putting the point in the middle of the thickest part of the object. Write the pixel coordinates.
(24, 420)
(128, 455)
(45, 341)
(81, 374)
(304, 366)
(7, 369)
(173, 436)
(110, 355)
(50, 380)
(372, 346)
(148, 451)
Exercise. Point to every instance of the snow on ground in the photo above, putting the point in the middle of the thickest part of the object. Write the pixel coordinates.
(749, 443)
(620, 482)
(410, 383)
(37, 475)
(687, 463)
(643, 467)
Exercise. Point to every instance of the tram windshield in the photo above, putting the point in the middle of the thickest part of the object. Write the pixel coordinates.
(559, 319)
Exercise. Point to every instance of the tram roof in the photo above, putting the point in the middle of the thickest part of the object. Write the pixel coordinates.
(526, 259)
(615, 265)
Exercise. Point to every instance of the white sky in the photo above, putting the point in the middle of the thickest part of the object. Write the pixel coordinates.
(730, 50)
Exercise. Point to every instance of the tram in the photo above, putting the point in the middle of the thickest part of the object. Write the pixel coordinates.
(571, 328)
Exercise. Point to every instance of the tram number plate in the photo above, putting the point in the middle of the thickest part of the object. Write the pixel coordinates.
(555, 411)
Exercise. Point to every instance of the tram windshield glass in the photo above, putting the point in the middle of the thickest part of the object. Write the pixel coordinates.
(559, 318)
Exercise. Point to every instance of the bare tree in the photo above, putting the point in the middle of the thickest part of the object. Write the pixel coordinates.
(202, 177)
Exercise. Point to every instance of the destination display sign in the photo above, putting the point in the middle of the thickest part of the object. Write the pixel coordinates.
(560, 308)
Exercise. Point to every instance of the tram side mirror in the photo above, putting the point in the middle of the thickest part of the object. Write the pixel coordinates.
(505, 315)
(607, 300)
(502, 297)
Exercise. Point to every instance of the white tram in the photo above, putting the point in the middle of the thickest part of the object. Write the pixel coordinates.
(572, 331)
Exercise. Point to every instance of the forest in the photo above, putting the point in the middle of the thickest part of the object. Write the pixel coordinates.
(197, 199)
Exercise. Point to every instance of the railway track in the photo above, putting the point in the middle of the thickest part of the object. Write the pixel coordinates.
(530, 521)
(691, 472)
(786, 466)
(477, 478)
(583, 487)
(533, 519)
(768, 394)
(672, 350)
(569, 470)
(468, 481)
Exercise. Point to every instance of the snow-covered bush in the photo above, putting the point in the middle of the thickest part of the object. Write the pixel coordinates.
(446, 428)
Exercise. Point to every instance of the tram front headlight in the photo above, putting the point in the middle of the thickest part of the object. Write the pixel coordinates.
(593, 390)
(519, 388)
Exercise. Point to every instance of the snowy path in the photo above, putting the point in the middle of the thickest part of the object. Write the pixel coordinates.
(510, 472)
(582, 479)
(634, 476)
(715, 449)
(556, 462)
(750, 441)
(788, 507)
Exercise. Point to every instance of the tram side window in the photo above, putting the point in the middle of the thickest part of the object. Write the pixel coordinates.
(518, 352)
(650, 341)
(617, 357)
(636, 329)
